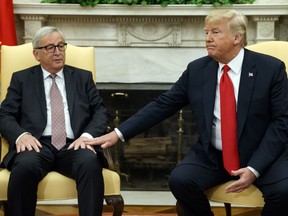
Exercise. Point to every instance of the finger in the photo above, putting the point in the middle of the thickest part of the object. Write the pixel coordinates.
(71, 146)
(76, 147)
(82, 145)
(85, 139)
(18, 148)
(95, 141)
(32, 144)
(238, 189)
(22, 148)
(236, 172)
(231, 187)
(237, 186)
(29, 146)
(38, 143)
(36, 148)
(106, 145)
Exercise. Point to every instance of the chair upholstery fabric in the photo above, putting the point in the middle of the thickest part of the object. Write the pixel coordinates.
(54, 186)
(249, 197)
(277, 49)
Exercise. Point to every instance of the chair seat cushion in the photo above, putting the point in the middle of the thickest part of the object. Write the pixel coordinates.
(249, 197)
(55, 186)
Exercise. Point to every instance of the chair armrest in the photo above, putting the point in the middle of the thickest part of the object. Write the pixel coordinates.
(0, 145)
(108, 156)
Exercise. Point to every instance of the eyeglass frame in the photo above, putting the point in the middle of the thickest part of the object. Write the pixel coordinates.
(54, 47)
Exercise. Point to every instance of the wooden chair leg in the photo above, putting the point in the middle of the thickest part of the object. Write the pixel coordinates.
(179, 209)
(4, 206)
(228, 209)
(117, 203)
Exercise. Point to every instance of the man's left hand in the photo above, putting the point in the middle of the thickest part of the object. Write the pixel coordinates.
(246, 179)
(79, 143)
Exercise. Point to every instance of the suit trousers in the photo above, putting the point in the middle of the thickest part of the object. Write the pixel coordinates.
(30, 167)
(188, 182)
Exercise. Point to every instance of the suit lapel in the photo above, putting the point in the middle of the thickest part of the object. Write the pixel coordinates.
(247, 79)
(70, 87)
(209, 89)
(38, 85)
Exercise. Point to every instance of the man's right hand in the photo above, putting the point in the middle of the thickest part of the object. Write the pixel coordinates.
(105, 141)
(28, 142)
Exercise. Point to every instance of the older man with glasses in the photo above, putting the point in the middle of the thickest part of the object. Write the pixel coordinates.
(48, 107)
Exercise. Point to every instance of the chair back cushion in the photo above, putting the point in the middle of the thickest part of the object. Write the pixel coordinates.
(278, 49)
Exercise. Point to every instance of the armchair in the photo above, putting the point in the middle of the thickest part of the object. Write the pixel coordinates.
(54, 186)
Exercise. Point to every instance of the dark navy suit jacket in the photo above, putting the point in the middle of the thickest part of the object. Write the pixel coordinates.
(262, 113)
(24, 108)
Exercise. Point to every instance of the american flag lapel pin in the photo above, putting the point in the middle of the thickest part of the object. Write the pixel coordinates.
(250, 74)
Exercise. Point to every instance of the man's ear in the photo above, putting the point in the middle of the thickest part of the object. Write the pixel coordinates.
(238, 38)
(36, 55)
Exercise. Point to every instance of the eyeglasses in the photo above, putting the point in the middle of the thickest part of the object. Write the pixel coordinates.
(51, 47)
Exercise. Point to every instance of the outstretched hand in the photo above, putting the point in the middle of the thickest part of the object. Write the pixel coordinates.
(80, 144)
(246, 179)
(105, 141)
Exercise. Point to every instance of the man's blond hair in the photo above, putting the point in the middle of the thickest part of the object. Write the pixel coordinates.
(237, 21)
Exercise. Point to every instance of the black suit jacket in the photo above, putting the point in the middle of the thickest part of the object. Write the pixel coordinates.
(262, 113)
(24, 108)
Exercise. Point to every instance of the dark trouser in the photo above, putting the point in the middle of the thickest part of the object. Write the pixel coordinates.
(188, 181)
(30, 167)
(275, 197)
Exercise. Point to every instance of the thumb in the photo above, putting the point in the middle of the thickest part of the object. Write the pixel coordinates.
(235, 172)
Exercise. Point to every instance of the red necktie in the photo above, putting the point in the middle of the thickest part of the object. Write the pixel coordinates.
(228, 122)
(58, 131)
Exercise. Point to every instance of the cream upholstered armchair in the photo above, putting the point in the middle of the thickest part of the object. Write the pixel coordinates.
(251, 196)
(54, 186)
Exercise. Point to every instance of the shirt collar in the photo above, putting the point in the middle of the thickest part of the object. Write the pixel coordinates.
(236, 63)
(46, 74)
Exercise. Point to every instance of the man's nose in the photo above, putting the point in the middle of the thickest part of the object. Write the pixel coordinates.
(208, 36)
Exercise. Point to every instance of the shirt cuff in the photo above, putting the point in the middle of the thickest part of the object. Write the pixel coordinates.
(21, 136)
(255, 172)
(87, 135)
(119, 134)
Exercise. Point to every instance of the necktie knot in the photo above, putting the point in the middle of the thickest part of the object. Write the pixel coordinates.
(52, 76)
(225, 68)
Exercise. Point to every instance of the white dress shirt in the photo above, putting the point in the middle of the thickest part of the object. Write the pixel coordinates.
(234, 74)
(59, 79)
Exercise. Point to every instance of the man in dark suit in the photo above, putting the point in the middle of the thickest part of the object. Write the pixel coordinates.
(261, 93)
(26, 121)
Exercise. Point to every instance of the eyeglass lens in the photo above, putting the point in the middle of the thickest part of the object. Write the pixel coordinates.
(51, 48)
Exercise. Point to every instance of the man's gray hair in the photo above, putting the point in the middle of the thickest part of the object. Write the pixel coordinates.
(42, 32)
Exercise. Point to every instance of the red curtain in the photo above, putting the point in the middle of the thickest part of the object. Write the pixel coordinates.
(7, 25)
